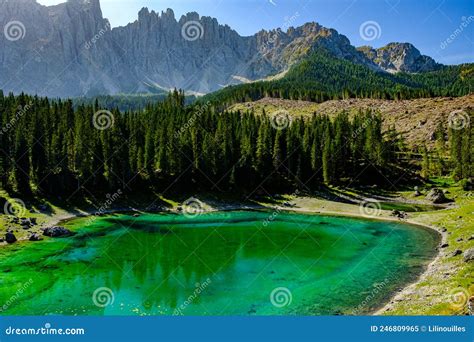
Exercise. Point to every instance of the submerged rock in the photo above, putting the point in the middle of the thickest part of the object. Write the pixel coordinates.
(436, 196)
(10, 237)
(469, 255)
(56, 231)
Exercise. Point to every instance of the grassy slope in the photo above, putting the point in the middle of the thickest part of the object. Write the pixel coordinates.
(415, 119)
(445, 291)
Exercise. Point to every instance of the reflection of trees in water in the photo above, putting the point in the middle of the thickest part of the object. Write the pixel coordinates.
(168, 260)
(168, 264)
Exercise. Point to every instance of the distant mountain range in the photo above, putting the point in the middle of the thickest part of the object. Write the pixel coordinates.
(70, 50)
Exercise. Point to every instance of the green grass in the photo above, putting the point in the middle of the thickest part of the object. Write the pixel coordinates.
(435, 295)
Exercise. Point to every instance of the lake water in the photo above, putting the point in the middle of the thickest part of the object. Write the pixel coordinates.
(222, 263)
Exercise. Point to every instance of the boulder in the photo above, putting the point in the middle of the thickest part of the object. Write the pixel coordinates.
(35, 237)
(444, 245)
(436, 196)
(10, 237)
(25, 221)
(456, 252)
(468, 255)
(399, 214)
(56, 231)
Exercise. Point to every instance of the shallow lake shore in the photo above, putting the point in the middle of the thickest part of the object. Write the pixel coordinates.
(403, 297)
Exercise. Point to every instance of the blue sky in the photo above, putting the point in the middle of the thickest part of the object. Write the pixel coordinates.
(428, 24)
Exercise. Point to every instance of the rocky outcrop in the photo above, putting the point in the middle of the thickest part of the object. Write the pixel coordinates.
(70, 50)
(42, 48)
(436, 196)
(468, 255)
(400, 57)
(56, 231)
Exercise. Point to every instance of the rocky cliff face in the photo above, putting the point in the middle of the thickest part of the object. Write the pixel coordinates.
(41, 47)
(400, 57)
(70, 50)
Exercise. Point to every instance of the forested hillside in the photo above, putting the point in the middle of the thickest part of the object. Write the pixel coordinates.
(323, 77)
(49, 147)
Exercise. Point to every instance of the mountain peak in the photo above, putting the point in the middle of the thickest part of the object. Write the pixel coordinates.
(168, 13)
(143, 12)
(400, 57)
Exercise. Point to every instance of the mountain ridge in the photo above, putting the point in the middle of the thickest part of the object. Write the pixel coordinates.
(70, 50)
